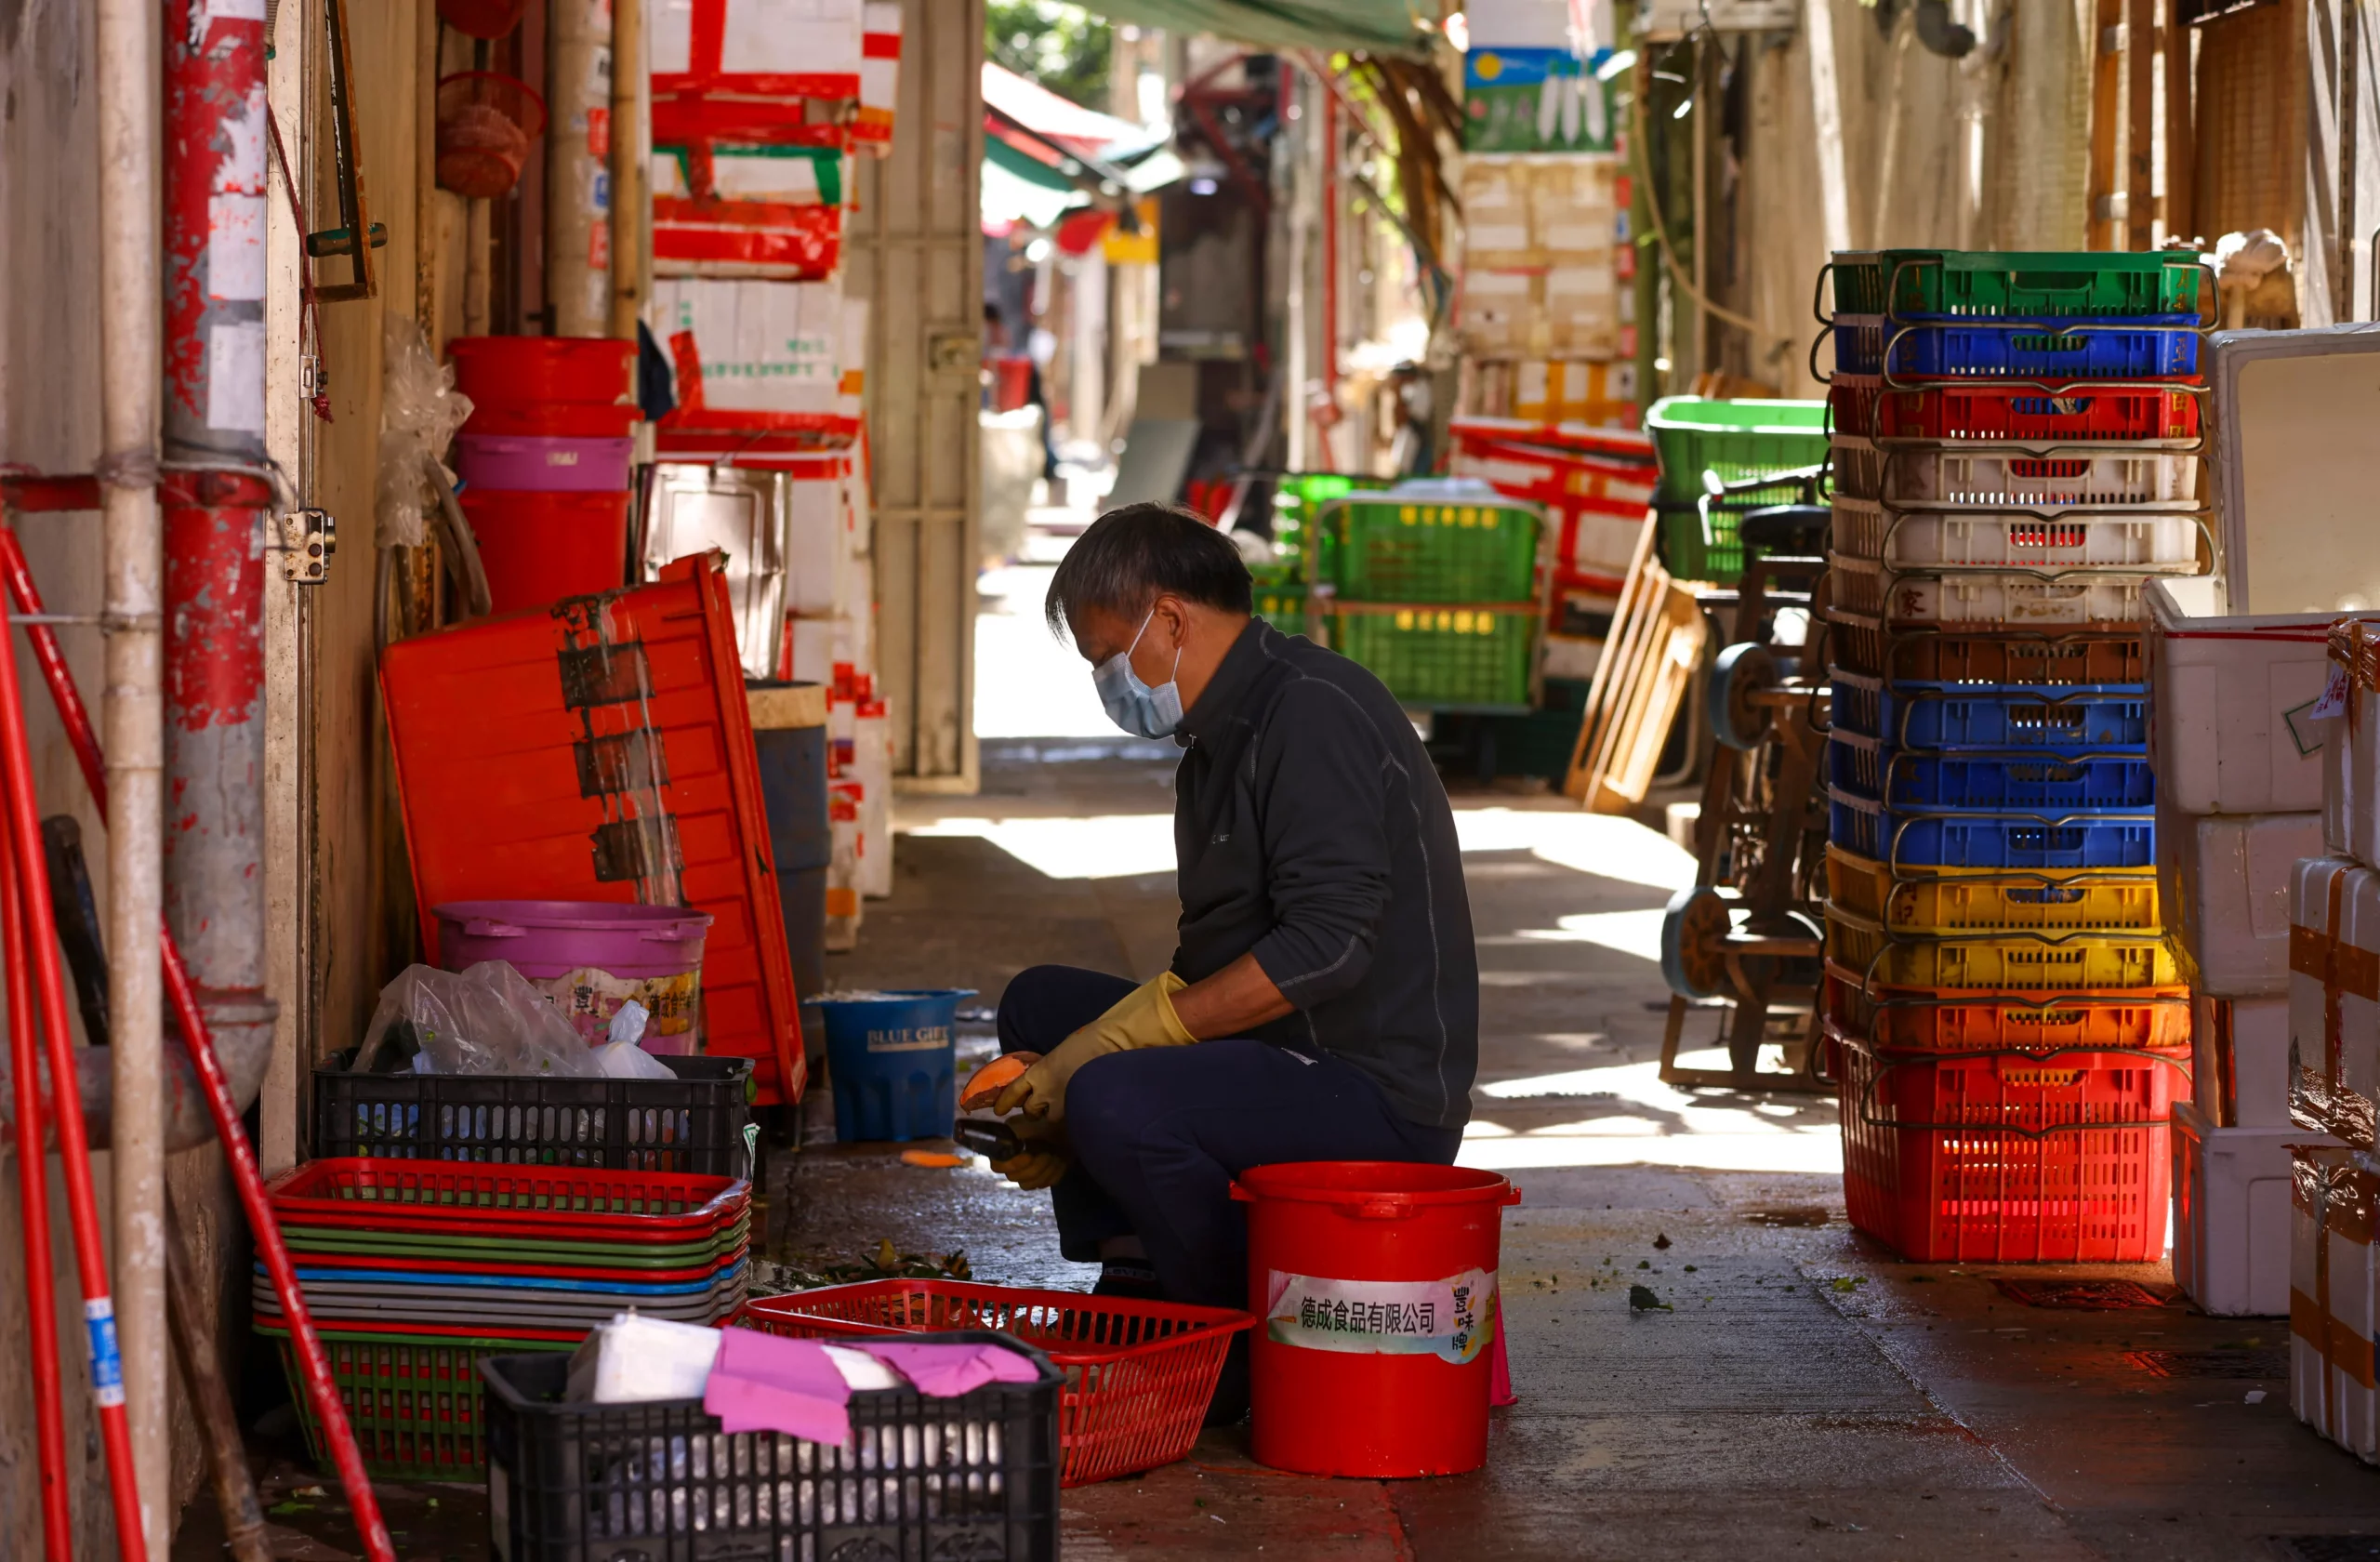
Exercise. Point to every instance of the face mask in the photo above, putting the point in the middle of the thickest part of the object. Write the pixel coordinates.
(1132, 705)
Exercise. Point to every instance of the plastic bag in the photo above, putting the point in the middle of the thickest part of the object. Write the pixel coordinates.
(420, 409)
(622, 1057)
(486, 1020)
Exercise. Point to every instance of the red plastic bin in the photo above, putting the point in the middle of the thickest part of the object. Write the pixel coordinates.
(2075, 414)
(540, 547)
(1975, 1019)
(514, 370)
(466, 1198)
(1993, 1158)
(552, 420)
(1139, 1374)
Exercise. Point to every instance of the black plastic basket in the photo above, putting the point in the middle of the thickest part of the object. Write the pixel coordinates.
(692, 1124)
(974, 1477)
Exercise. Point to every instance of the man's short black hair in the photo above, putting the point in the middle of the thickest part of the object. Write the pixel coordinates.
(1127, 557)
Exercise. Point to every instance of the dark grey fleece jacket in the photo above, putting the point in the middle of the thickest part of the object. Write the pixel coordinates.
(1310, 828)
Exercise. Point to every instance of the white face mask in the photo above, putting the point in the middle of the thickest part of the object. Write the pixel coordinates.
(1132, 705)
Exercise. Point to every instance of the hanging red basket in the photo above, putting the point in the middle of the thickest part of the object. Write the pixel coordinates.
(482, 19)
(487, 122)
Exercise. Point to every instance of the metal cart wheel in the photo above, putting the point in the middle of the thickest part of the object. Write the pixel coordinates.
(1694, 937)
(1742, 671)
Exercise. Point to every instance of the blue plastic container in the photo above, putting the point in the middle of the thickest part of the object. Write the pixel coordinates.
(1912, 778)
(891, 1062)
(2049, 839)
(2099, 718)
(2015, 349)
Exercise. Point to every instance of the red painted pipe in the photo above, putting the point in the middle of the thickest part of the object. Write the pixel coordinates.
(40, 927)
(32, 1192)
(314, 1362)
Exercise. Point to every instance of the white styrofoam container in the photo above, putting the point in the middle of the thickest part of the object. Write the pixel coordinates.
(2319, 884)
(2047, 539)
(2290, 438)
(2338, 784)
(2231, 1214)
(2232, 729)
(2240, 1060)
(2223, 886)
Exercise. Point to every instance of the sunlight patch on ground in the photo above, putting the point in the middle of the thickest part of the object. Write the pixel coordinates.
(1716, 1131)
(1630, 932)
(1119, 845)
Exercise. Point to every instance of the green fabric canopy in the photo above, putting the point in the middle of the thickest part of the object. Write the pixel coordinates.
(1327, 24)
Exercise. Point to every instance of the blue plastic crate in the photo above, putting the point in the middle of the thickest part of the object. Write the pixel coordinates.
(2075, 718)
(2015, 349)
(2049, 839)
(1911, 778)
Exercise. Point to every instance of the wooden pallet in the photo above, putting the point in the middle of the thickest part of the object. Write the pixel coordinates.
(1648, 662)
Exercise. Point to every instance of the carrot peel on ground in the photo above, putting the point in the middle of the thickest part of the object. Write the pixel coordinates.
(995, 1077)
(931, 1157)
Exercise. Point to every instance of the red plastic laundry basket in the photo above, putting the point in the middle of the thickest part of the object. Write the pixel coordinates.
(2007, 1157)
(1375, 1286)
(1139, 1374)
(541, 548)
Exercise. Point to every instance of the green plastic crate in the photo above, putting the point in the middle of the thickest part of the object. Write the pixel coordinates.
(1738, 440)
(1297, 498)
(1446, 656)
(414, 1400)
(1282, 604)
(2025, 284)
(1394, 549)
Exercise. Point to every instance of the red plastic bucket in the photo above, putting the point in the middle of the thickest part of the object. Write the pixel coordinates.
(501, 370)
(540, 547)
(543, 463)
(1374, 1289)
(552, 420)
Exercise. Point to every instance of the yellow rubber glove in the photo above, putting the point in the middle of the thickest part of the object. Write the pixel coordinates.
(1042, 1160)
(1144, 1018)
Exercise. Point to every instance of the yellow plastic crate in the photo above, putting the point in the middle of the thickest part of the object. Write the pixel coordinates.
(2059, 963)
(1976, 900)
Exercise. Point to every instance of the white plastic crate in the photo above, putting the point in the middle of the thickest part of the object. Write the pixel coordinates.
(2240, 1060)
(1990, 601)
(2231, 1214)
(2233, 731)
(2000, 539)
(2223, 885)
(2060, 477)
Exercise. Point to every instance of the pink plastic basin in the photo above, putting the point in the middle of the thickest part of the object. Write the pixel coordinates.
(526, 463)
(590, 957)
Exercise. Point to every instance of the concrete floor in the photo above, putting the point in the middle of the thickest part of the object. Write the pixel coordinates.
(1809, 1396)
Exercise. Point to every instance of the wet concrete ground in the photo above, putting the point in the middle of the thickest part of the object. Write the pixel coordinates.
(1808, 1395)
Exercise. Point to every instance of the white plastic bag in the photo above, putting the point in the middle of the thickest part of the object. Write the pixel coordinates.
(485, 1020)
(420, 409)
(622, 1057)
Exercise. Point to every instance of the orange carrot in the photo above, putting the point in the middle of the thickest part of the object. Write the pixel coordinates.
(995, 1077)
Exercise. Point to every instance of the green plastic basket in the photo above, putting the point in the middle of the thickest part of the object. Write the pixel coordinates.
(1394, 549)
(1443, 657)
(414, 1400)
(1282, 606)
(2028, 284)
(1739, 441)
(1296, 500)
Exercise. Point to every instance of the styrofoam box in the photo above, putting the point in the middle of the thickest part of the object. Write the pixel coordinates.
(2232, 729)
(2223, 887)
(2358, 924)
(2324, 1393)
(2240, 1049)
(2231, 1214)
(2291, 440)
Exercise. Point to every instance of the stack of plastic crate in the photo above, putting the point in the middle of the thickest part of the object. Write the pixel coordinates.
(2009, 438)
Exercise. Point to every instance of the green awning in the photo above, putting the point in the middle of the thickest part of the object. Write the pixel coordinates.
(1327, 24)
(1017, 189)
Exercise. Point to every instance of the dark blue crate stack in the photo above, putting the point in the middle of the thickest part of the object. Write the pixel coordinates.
(1989, 797)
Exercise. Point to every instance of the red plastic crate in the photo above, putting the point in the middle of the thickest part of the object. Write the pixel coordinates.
(1995, 1159)
(2081, 413)
(470, 1198)
(1967, 1020)
(1139, 1374)
(602, 749)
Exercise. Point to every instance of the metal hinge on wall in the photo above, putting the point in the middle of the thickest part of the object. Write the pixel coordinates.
(308, 537)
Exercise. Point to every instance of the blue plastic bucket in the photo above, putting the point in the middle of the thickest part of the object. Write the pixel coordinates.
(891, 1062)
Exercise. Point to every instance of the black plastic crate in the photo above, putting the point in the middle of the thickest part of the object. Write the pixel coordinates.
(692, 1124)
(975, 1477)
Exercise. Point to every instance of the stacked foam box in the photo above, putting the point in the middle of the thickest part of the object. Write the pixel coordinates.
(2011, 1022)
(2333, 1062)
(2238, 795)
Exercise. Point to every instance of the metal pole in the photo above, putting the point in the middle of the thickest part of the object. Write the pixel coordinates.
(628, 167)
(578, 97)
(129, 333)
